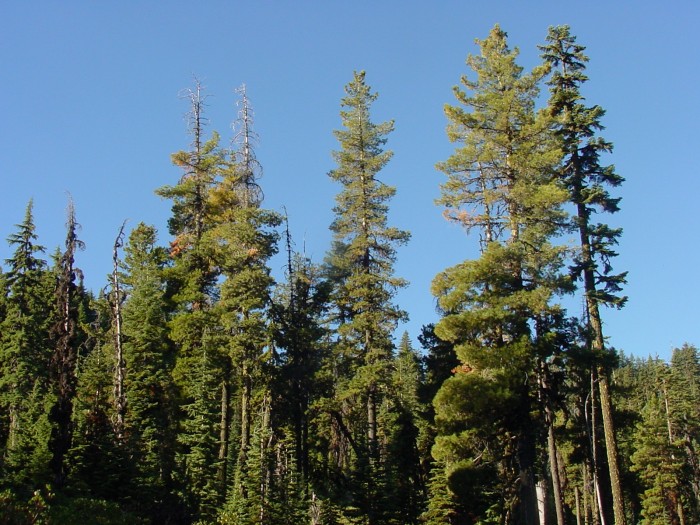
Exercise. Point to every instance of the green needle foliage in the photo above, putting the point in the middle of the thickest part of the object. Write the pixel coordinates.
(24, 351)
(149, 356)
(587, 182)
(198, 391)
(364, 286)
(498, 309)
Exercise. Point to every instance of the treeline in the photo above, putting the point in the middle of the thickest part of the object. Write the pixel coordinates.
(195, 389)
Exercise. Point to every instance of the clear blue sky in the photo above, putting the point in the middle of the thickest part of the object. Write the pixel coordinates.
(89, 105)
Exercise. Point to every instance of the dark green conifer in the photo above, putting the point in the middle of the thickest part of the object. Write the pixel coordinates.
(587, 182)
(65, 339)
(24, 353)
(149, 356)
(362, 261)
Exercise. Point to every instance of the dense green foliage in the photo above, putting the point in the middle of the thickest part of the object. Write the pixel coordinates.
(196, 389)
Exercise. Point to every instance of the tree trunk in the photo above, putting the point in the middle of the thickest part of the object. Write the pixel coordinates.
(245, 410)
(526, 454)
(577, 499)
(64, 358)
(595, 458)
(542, 503)
(597, 342)
(551, 444)
(224, 431)
(554, 471)
(120, 365)
(611, 448)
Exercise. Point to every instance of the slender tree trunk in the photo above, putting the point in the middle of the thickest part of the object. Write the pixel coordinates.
(64, 358)
(554, 471)
(245, 410)
(551, 443)
(589, 502)
(117, 298)
(595, 456)
(526, 455)
(598, 349)
(543, 513)
(224, 431)
(577, 499)
(372, 423)
(611, 448)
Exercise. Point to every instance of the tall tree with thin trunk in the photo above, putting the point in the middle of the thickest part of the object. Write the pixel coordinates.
(193, 284)
(588, 182)
(298, 311)
(242, 240)
(65, 353)
(149, 357)
(364, 255)
(116, 299)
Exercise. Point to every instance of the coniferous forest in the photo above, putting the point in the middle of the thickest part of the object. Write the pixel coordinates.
(196, 388)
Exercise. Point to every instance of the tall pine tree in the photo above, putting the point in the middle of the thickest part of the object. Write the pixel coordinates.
(362, 262)
(499, 309)
(64, 338)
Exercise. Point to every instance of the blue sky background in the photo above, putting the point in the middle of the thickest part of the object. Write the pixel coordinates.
(89, 105)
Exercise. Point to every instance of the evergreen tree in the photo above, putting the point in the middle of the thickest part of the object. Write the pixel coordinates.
(439, 361)
(149, 355)
(657, 458)
(192, 283)
(24, 352)
(363, 257)
(242, 240)
(298, 313)
(499, 309)
(65, 339)
(198, 456)
(442, 503)
(403, 414)
(587, 182)
(100, 468)
(684, 413)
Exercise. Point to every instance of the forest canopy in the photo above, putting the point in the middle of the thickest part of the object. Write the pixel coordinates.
(195, 387)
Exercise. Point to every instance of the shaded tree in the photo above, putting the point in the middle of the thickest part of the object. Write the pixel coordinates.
(64, 338)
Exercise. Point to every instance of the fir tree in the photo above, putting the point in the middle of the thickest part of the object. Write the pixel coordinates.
(149, 356)
(657, 460)
(298, 312)
(24, 352)
(587, 182)
(100, 468)
(192, 283)
(363, 258)
(403, 414)
(684, 413)
(242, 240)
